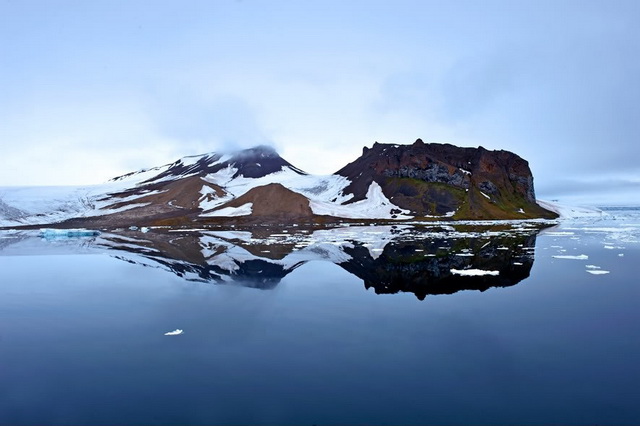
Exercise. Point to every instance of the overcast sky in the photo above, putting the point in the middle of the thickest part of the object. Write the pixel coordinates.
(93, 89)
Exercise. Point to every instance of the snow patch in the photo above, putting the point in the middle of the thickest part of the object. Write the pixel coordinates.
(243, 210)
(375, 206)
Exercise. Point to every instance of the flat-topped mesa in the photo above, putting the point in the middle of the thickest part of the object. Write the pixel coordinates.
(435, 179)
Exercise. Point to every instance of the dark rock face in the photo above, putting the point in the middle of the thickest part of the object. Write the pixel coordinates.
(432, 179)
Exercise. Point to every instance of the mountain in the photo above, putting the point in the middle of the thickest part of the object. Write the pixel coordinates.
(257, 186)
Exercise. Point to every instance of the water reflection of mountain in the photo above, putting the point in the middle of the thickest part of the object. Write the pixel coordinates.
(424, 267)
(388, 259)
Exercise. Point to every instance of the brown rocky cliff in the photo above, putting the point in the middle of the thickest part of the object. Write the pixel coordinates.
(434, 179)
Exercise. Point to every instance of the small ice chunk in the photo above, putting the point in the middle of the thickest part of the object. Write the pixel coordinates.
(473, 272)
(175, 332)
(592, 267)
(597, 271)
(144, 229)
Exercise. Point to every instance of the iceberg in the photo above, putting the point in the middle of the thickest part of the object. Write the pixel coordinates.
(175, 332)
(67, 233)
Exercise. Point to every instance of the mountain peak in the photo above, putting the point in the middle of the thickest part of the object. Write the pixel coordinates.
(259, 161)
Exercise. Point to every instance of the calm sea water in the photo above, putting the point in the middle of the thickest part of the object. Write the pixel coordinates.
(365, 325)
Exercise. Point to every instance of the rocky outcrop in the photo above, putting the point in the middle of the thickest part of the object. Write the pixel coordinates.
(273, 201)
(439, 179)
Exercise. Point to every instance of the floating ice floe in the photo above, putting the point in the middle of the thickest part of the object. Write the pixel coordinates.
(557, 233)
(578, 257)
(175, 332)
(473, 272)
(597, 271)
(55, 233)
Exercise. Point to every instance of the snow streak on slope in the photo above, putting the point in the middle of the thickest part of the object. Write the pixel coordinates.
(243, 210)
(325, 193)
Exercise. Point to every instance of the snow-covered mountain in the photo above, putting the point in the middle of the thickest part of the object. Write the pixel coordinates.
(389, 182)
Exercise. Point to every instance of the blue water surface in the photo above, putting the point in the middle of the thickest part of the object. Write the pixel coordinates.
(82, 342)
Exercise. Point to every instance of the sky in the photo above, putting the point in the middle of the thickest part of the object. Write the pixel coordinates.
(93, 89)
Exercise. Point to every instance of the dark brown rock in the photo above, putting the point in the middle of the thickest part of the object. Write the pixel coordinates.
(433, 179)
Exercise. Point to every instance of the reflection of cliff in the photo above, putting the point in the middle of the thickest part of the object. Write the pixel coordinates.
(424, 267)
(388, 260)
